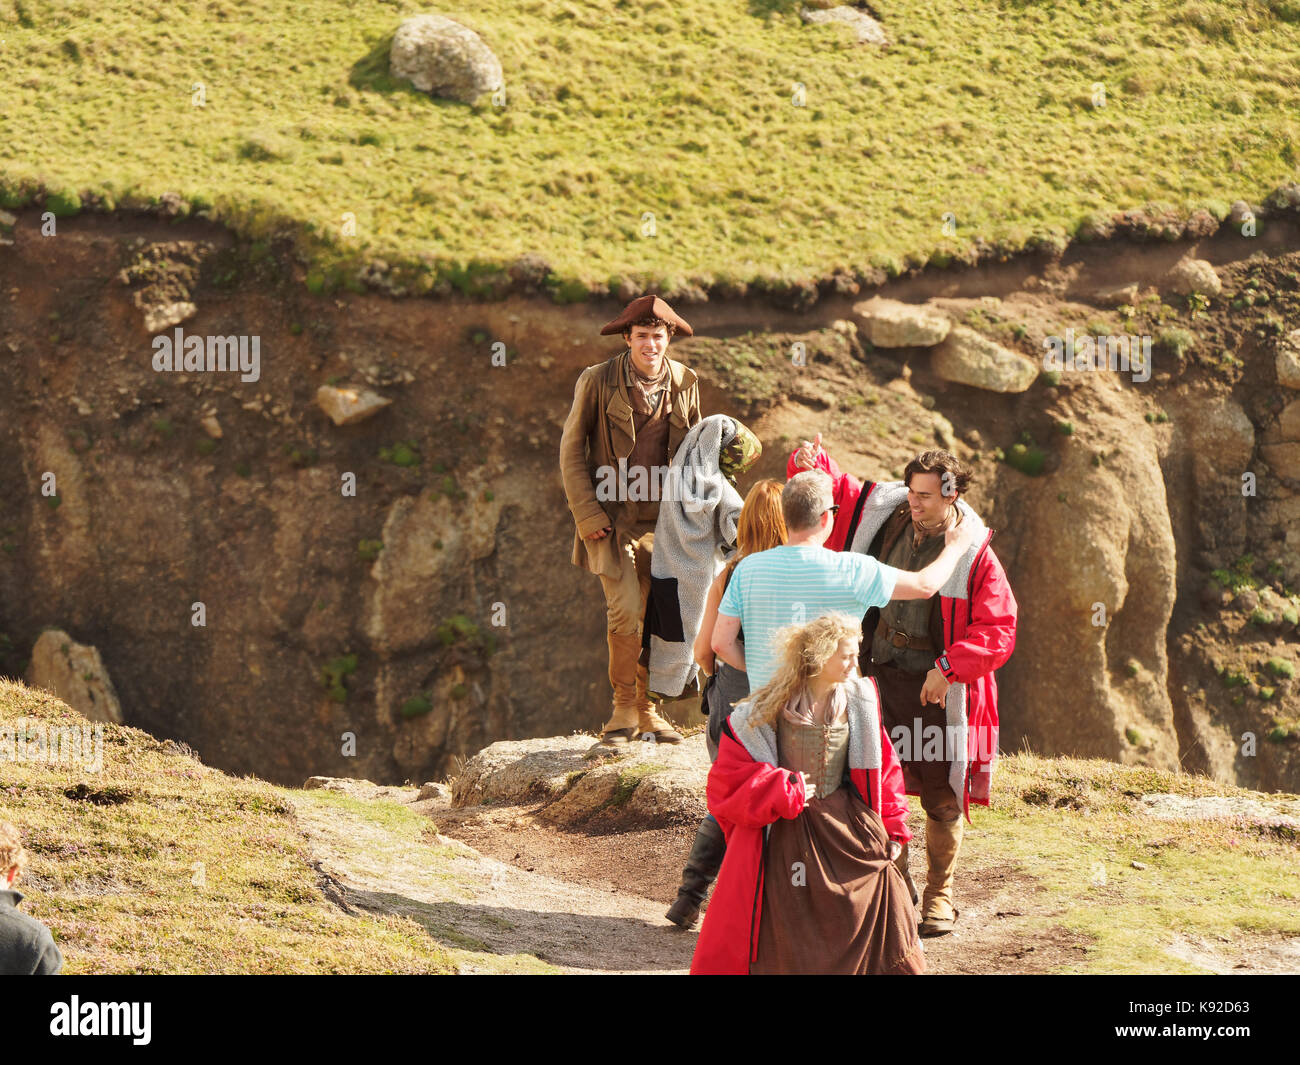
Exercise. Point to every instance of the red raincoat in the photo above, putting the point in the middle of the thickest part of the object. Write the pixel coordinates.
(745, 795)
(979, 634)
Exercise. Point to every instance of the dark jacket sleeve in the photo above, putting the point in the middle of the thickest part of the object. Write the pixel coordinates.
(49, 961)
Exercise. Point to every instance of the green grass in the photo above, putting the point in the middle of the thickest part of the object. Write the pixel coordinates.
(1063, 820)
(116, 883)
(623, 109)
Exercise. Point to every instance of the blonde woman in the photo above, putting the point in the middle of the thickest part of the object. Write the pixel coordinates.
(761, 525)
(26, 946)
(809, 794)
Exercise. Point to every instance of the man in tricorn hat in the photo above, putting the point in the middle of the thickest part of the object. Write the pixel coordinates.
(629, 415)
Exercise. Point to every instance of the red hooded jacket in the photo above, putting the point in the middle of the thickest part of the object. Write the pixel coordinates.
(979, 634)
(746, 795)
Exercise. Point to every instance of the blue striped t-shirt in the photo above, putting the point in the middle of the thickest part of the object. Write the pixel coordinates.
(795, 584)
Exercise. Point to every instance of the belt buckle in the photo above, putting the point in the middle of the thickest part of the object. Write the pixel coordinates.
(895, 638)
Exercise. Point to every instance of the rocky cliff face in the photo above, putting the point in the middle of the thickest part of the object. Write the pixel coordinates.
(294, 597)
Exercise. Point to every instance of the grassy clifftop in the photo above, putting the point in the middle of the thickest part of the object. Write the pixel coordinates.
(157, 864)
(697, 142)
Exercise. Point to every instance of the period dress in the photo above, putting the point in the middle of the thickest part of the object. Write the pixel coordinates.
(833, 902)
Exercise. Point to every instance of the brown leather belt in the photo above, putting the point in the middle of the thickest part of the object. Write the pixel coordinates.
(900, 639)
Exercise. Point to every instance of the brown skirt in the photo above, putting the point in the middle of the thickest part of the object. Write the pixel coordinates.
(833, 902)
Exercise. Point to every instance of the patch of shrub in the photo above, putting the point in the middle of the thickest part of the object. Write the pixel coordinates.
(334, 674)
(1280, 667)
(403, 453)
(1028, 459)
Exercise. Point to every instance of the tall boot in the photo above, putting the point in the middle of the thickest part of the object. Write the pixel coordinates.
(942, 842)
(700, 872)
(902, 864)
(624, 650)
(647, 717)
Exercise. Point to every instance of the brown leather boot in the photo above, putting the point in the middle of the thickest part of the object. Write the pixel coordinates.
(648, 719)
(624, 650)
(942, 842)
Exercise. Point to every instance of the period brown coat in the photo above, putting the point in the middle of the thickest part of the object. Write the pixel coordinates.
(597, 433)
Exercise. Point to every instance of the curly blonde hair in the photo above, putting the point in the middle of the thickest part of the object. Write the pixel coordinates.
(805, 649)
(12, 855)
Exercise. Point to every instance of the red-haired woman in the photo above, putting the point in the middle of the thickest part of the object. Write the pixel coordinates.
(761, 525)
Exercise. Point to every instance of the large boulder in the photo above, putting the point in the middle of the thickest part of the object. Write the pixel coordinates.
(970, 358)
(1280, 445)
(642, 784)
(1194, 275)
(1220, 438)
(444, 58)
(894, 324)
(76, 674)
(1089, 672)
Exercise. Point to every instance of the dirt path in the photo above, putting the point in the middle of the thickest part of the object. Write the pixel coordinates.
(477, 902)
(996, 902)
(508, 884)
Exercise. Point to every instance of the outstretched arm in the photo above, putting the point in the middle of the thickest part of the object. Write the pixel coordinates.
(926, 582)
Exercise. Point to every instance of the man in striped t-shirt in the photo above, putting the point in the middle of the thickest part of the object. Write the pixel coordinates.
(802, 580)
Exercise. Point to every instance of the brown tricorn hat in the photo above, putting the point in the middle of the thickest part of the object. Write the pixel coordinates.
(649, 304)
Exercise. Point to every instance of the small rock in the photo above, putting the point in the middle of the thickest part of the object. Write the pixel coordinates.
(83, 408)
(433, 790)
(1241, 212)
(1116, 296)
(211, 426)
(1138, 865)
(1194, 275)
(347, 406)
(1247, 600)
(166, 315)
(868, 30)
(7, 219)
(1288, 360)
